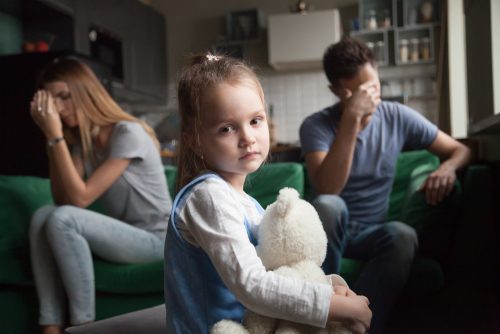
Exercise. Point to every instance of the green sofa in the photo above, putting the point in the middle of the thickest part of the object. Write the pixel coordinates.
(125, 288)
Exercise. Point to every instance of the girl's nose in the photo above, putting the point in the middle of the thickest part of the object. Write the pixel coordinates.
(247, 137)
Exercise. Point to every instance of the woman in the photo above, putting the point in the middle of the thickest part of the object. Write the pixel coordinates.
(96, 152)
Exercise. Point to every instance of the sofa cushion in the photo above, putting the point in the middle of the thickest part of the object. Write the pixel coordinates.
(20, 196)
(426, 275)
(416, 212)
(128, 278)
(265, 183)
(171, 175)
(406, 164)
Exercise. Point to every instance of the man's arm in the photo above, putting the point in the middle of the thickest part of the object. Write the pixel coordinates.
(329, 171)
(454, 155)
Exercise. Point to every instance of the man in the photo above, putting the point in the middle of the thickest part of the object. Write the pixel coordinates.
(350, 150)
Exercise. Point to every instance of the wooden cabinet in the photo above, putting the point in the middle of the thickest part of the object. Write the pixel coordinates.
(141, 31)
(148, 68)
(298, 41)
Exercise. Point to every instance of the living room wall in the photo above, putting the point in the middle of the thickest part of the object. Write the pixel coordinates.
(194, 25)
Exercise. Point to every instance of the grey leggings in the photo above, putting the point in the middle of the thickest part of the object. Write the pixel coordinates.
(62, 241)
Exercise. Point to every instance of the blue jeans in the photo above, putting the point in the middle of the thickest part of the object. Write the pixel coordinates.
(387, 248)
(62, 241)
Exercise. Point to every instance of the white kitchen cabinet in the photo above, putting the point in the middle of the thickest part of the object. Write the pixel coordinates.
(298, 41)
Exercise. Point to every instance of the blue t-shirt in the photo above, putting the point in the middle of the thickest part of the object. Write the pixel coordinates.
(393, 128)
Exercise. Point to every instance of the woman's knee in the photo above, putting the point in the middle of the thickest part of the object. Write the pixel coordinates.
(39, 218)
(61, 219)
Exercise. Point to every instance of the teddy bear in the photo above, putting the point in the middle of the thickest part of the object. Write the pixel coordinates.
(293, 243)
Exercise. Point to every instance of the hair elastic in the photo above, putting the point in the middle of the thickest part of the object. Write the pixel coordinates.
(212, 57)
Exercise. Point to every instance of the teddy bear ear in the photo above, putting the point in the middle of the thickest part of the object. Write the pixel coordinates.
(286, 198)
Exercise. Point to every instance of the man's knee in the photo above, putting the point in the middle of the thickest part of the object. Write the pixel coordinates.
(332, 203)
(332, 211)
(330, 207)
(402, 239)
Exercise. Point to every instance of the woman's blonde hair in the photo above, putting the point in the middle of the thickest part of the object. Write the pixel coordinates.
(202, 73)
(94, 107)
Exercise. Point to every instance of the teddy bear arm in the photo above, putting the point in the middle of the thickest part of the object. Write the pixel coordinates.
(288, 271)
(257, 324)
(311, 272)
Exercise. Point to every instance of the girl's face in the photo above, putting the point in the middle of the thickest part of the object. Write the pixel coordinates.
(63, 102)
(234, 136)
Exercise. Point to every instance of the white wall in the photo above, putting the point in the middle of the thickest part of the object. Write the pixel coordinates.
(495, 53)
(294, 96)
(457, 69)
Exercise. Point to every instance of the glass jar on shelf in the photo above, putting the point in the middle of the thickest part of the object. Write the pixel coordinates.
(379, 51)
(385, 21)
(403, 50)
(371, 22)
(371, 46)
(425, 48)
(414, 49)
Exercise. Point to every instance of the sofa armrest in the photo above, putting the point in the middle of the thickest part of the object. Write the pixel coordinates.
(20, 197)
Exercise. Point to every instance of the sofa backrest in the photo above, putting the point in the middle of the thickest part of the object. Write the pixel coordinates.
(264, 184)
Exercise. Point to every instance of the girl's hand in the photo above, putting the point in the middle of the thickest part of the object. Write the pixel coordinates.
(45, 115)
(352, 311)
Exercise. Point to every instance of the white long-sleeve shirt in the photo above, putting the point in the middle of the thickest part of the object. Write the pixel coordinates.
(213, 218)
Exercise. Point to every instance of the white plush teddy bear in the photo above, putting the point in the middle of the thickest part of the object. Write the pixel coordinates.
(292, 243)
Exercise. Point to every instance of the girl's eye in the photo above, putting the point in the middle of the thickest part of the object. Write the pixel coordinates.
(227, 129)
(256, 121)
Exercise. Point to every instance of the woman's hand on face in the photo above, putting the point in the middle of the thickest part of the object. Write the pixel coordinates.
(45, 115)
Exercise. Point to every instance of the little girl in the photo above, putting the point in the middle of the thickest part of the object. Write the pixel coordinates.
(212, 270)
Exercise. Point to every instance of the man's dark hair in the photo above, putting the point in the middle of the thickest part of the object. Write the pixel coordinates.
(344, 59)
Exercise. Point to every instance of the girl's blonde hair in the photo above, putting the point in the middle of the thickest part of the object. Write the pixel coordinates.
(93, 106)
(202, 73)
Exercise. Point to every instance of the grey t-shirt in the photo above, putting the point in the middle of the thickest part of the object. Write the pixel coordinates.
(394, 127)
(140, 196)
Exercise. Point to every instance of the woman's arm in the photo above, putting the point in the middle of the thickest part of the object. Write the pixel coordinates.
(67, 175)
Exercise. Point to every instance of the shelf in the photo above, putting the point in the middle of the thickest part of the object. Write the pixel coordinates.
(373, 38)
(371, 31)
(420, 26)
(417, 33)
(244, 26)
